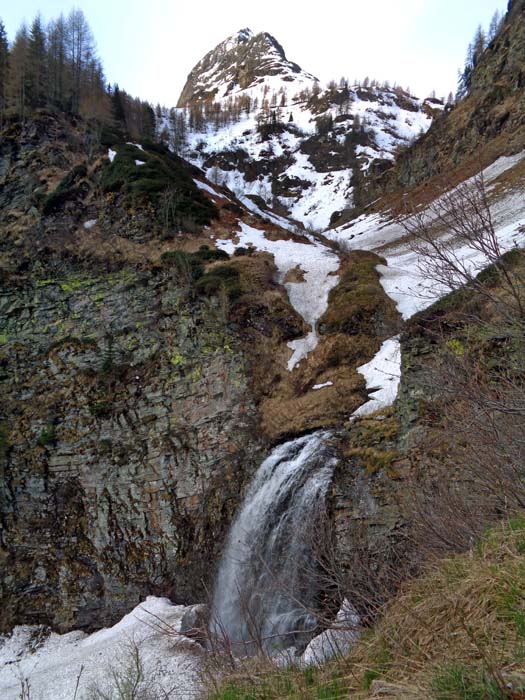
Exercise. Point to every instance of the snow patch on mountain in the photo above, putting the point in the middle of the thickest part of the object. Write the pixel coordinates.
(310, 297)
(245, 157)
(382, 375)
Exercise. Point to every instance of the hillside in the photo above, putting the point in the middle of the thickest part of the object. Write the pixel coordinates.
(487, 124)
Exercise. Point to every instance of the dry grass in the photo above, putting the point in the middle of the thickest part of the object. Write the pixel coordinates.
(455, 633)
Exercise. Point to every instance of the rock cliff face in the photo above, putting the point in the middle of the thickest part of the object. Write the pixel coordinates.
(127, 430)
(127, 423)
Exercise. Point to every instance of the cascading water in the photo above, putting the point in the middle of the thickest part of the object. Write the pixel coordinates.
(265, 594)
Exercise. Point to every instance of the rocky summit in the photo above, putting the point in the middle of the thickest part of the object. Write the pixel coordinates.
(243, 61)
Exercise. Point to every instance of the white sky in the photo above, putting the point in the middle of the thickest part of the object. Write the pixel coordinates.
(150, 46)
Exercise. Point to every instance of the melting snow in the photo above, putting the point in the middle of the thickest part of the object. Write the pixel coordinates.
(403, 278)
(316, 387)
(336, 641)
(206, 188)
(309, 298)
(52, 670)
(405, 281)
(111, 155)
(88, 225)
(382, 375)
(140, 162)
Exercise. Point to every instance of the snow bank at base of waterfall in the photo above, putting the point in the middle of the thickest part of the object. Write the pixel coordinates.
(53, 666)
(336, 641)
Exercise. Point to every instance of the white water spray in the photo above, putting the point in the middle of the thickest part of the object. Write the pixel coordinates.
(265, 595)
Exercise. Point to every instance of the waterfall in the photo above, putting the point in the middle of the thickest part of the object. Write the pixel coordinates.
(265, 594)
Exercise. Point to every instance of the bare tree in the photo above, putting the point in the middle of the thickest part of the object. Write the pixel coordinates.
(474, 384)
(455, 237)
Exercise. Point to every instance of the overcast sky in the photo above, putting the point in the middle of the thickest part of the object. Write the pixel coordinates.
(150, 46)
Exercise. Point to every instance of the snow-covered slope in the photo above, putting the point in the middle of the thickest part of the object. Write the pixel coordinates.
(261, 125)
(405, 277)
(309, 297)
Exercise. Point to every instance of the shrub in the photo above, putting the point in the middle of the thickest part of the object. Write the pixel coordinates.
(240, 251)
(162, 181)
(47, 436)
(220, 278)
(186, 264)
(4, 440)
(64, 191)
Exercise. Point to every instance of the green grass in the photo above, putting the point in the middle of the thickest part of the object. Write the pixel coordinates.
(455, 633)
(292, 684)
(463, 682)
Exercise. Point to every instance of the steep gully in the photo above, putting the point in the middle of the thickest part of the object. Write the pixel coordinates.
(264, 593)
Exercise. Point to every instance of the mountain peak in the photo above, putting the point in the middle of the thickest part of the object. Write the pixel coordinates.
(245, 34)
(242, 61)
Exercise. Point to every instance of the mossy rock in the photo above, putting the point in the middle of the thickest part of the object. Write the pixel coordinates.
(358, 304)
(372, 442)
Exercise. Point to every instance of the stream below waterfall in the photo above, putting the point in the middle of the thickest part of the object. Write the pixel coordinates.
(266, 594)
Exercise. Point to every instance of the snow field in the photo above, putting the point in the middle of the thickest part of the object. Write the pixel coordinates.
(382, 375)
(405, 280)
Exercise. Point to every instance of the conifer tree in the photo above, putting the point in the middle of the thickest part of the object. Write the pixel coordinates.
(4, 64)
(148, 122)
(36, 65)
(56, 62)
(495, 25)
(117, 107)
(81, 51)
(17, 83)
(479, 45)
